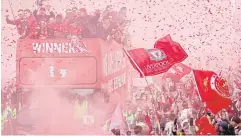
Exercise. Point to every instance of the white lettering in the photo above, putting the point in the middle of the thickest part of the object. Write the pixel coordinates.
(110, 63)
(49, 47)
(58, 47)
(119, 81)
(118, 58)
(83, 44)
(63, 72)
(110, 85)
(157, 66)
(116, 61)
(36, 47)
(64, 48)
(71, 48)
(124, 60)
(105, 65)
(81, 49)
(43, 48)
(51, 71)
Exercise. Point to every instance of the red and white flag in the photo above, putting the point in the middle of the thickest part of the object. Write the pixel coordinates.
(177, 72)
(213, 90)
(150, 62)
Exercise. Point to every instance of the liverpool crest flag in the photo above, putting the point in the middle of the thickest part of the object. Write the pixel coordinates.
(213, 90)
(177, 72)
(150, 62)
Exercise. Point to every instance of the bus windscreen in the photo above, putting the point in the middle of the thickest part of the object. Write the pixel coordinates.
(58, 70)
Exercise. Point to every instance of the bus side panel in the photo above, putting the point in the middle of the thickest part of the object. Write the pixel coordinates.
(113, 82)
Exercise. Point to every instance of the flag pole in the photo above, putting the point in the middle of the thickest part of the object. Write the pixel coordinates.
(10, 4)
(196, 85)
(143, 75)
(197, 88)
(139, 69)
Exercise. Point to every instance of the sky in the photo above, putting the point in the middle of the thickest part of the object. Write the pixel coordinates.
(208, 30)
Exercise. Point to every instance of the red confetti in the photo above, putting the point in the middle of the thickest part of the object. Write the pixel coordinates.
(210, 11)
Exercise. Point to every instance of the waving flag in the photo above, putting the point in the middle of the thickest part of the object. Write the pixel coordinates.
(213, 90)
(204, 127)
(149, 62)
(177, 71)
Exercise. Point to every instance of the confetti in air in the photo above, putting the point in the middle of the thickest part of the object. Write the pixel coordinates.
(208, 30)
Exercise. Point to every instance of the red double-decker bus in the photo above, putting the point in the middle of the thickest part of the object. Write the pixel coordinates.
(86, 67)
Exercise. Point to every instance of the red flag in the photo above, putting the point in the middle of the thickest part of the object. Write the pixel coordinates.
(213, 90)
(205, 127)
(177, 71)
(157, 60)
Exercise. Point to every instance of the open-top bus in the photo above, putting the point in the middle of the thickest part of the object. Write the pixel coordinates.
(85, 66)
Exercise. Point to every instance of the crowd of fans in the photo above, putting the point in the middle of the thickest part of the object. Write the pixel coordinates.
(175, 110)
(42, 23)
(170, 110)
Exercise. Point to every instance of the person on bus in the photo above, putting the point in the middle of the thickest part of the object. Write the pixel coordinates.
(43, 11)
(59, 19)
(90, 30)
(121, 16)
(42, 29)
(74, 9)
(61, 26)
(19, 22)
(104, 29)
(31, 24)
(70, 16)
(108, 13)
(83, 17)
(51, 27)
(79, 19)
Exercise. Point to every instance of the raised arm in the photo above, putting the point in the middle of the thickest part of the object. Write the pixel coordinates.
(12, 22)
